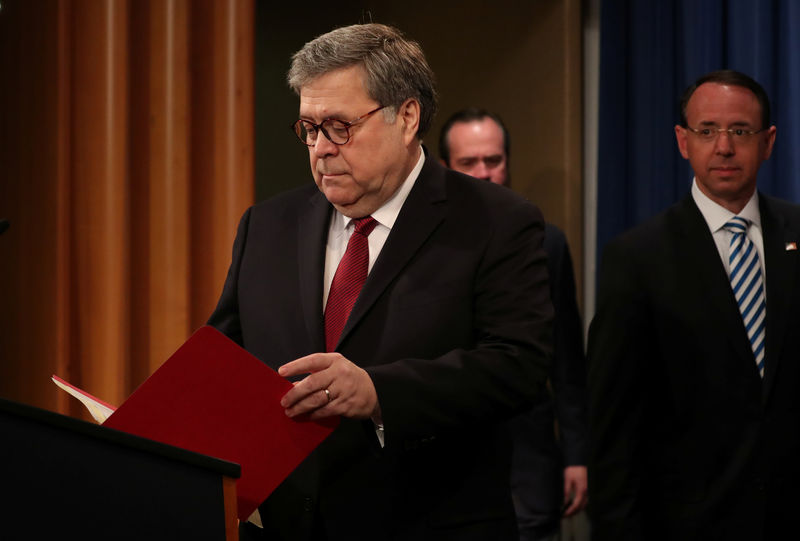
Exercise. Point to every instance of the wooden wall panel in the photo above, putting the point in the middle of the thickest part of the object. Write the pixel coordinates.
(170, 232)
(161, 234)
(104, 150)
(222, 161)
(33, 338)
(100, 193)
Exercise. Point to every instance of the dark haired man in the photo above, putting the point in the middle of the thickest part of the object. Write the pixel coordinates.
(396, 298)
(548, 478)
(693, 376)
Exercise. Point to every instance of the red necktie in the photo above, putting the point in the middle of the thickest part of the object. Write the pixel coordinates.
(348, 280)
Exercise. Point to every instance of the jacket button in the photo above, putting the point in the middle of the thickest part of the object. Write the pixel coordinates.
(308, 504)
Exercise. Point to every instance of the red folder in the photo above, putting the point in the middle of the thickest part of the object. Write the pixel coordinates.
(213, 397)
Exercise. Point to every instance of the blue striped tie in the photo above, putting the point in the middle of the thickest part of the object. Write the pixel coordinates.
(748, 286)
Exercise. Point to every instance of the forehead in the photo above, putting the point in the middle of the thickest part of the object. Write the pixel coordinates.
(714, 103)
(476, 136)
(339, 93)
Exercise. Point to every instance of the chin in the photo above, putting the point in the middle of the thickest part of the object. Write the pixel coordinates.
(339, 197)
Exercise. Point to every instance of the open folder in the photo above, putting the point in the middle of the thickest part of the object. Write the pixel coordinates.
(213, 397)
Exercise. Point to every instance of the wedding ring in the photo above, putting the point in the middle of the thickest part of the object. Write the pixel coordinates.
(328, 394)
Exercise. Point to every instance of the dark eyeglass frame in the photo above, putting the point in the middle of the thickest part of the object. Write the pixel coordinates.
(297, 127)
(739, 134)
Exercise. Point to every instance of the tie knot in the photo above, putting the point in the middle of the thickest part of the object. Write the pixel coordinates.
(365, 225)
(737, 225)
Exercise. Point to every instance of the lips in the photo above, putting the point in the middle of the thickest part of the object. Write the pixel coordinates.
(725, 169)
(331, 177)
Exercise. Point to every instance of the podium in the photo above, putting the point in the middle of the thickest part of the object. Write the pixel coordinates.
(66, 478)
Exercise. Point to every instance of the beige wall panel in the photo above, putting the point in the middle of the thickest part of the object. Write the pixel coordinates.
(521, 60)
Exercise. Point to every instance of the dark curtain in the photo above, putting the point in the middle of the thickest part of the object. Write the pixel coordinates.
(650, 52)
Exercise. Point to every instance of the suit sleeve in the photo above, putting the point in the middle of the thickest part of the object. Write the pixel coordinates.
(568, 375)
(225, 317)
(618, 338)
(508, 358)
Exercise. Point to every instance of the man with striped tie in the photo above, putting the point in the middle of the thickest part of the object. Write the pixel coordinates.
(694, 384)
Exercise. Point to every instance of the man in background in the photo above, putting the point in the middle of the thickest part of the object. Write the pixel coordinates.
(548, 476)
(407, 299)
(693, 371)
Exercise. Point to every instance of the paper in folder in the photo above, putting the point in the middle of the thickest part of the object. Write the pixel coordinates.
(213, 397)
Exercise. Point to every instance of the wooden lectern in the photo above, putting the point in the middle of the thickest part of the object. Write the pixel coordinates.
(65, 478)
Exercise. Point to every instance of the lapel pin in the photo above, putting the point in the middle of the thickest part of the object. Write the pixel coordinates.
(791, 246)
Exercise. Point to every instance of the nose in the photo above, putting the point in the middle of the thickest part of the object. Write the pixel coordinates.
(724, 143)
(324, 147)
(481, 171)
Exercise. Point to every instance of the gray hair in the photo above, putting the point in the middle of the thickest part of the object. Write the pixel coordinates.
(395, 67)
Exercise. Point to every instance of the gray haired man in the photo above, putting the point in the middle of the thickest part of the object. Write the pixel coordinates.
(407, 299)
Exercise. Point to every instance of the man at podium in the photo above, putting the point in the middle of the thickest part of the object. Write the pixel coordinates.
(410, 300)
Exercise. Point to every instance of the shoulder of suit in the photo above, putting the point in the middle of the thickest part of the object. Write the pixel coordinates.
(289, 199)
(496, 198)
(787, 209)
(554, 233)
(652, 232)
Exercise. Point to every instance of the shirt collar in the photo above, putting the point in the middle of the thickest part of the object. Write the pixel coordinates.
(717, 216)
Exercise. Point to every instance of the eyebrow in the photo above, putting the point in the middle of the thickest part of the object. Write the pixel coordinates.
(740, 123)
(336, 116)
(483, 157)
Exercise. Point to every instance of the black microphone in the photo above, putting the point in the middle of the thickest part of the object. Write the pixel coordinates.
(4, 224)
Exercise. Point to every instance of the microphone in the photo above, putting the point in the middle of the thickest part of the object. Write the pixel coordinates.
(4, 224)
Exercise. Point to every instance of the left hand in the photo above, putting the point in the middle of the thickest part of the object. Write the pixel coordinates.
(576, 489)
(351, 392)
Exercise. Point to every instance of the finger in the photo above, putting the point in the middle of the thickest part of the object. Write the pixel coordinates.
(306, 365)
(568, 491)
(582, 499)
(322, 413)
(572, 509)
(306, 387)
(578, 503)
(310, 404)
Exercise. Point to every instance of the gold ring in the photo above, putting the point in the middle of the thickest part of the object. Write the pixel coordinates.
(328, 394)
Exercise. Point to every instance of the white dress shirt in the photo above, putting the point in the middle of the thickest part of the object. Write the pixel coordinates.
(341, 227)
(717, 216)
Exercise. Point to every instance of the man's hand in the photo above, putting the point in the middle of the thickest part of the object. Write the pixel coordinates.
(576, 486)
(350, 391)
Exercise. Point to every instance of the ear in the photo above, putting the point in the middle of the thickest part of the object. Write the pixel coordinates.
(408, 115)
(770, 141)
(680, 136)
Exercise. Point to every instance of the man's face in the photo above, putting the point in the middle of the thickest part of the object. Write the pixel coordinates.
(476, 148)
(359, 176)
(725, 169)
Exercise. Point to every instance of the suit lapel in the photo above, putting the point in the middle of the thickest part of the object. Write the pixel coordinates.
(422, 212)
(312, 236)
(714, 281)
(780, 270)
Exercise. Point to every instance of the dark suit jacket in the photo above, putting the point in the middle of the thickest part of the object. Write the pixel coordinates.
(452, 326)
(537, 479)
(687, 441)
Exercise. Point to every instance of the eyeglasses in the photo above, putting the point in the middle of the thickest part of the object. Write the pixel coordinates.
(710, 133)
(337, 131)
